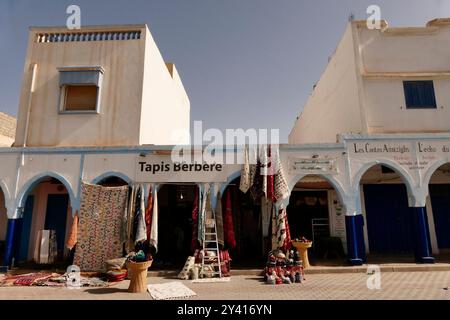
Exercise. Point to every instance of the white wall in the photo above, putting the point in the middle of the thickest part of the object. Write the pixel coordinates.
(165, 104)
(333, 106)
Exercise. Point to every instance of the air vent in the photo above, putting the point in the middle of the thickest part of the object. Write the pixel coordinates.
(87, 36)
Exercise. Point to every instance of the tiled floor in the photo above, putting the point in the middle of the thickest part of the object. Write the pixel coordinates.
(394, 285)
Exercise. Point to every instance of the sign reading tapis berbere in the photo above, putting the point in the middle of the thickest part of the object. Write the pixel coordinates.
(156, 168)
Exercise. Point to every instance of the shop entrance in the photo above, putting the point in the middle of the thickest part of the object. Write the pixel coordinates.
(47, 207)
(175, 204)
(390, 225)
(316, 213)
(247, 223)
(439, 190)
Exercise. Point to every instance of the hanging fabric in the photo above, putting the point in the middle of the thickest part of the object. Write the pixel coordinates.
(270, 175)
(283, 233)
(195, 209)
(154, 229)
(148, 212)
(281, 188)
(141, 230)
(99, 233)
(228, 222)
(201, 216)
(73, 234)
(267, 208)
(245, 181)
(264, 163)
(219, 220)
(274, 227)
(127, 235)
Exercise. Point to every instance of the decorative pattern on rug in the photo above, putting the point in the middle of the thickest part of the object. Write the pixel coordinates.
(100, 222)
(169, 291)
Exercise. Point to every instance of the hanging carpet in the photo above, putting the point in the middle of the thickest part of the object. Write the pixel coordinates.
(100, 225)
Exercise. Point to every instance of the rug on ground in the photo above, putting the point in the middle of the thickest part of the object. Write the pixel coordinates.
(170, 290)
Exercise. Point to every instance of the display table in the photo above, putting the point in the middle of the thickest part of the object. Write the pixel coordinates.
(138, 274)
(302, 248)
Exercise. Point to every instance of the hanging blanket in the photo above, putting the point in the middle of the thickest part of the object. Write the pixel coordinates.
(219, 220)
(139, 219)
(283, 233)
(149, 212)
(127, 235)
(100, 222)
(281, 188)
(228, 226)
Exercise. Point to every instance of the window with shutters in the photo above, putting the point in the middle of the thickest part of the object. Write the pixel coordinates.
(419, 95)
(80, 89)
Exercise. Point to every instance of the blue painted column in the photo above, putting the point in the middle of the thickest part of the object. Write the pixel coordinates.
(9, 243)
(356, 248)
(421, 237)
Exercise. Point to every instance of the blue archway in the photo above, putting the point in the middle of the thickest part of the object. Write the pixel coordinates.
(110, 174)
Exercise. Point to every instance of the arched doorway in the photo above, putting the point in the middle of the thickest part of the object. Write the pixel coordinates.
(251, 246)
(45, 206)
(175, 204)
(439, 191)
(390, 220)
(3, 225)
(112, 181)
(315, 212)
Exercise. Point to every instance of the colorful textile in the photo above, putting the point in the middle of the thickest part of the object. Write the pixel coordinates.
(28, 279)
(219, 220)
(228, 226)
(72, 238)
(127, 224)
(154, 228)
(283, 233)
(100, 221)
(139, 219)
(274, 225)
(194, 242)
(270, 195)
(149, 212)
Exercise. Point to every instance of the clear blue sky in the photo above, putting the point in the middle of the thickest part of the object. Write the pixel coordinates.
(244, 63)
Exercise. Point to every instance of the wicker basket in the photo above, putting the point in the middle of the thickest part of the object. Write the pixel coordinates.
(138, 274)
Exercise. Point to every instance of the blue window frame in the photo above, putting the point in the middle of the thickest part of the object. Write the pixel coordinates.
(419, 94)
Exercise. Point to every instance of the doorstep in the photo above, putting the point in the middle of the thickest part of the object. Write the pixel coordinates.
(400, 267)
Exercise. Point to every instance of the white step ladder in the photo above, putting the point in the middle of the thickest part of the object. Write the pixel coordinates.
(211, 265)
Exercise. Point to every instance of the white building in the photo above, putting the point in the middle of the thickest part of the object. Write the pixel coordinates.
(94, 100)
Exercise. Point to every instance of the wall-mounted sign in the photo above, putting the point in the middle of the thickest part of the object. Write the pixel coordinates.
(161, 168)
(313, 165)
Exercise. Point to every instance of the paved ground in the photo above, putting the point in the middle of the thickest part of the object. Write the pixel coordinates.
(394, 285)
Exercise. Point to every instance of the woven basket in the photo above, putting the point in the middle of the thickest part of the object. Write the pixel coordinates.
(138, 271)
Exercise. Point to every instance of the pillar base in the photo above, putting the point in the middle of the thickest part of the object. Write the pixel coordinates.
(426, 260)
(356, 262)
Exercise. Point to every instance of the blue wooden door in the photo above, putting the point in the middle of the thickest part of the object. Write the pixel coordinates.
(24, 231)
(389, 219)
(440, 202)
(56, 217)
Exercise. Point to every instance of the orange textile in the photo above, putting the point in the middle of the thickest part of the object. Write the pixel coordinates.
(72, 239)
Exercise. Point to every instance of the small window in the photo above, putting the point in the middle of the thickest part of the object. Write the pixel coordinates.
(419, 95)
(80, 98)
(80, 89)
